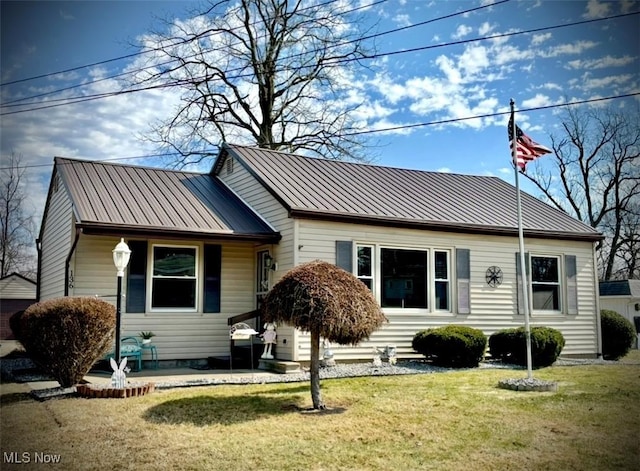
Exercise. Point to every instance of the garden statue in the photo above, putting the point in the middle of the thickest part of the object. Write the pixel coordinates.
(269, 338)
(118, 378)
(376, 357)
(327, 354)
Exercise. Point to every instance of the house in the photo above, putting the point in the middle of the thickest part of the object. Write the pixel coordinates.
(623, 297)
(17, 293)
(435, 248)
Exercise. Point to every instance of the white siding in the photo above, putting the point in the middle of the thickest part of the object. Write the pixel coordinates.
(492, 309)
(264, 203)
(57, 238)
(179, 335)
(14, 287)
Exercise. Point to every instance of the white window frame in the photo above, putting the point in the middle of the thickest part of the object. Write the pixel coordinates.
(431, 276)
(559, 284)
(433, 280)
(197, 277)
(374, 259)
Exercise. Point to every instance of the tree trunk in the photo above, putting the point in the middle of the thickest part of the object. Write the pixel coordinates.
(316, 397)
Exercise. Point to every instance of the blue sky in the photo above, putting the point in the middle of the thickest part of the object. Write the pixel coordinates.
(538, 69)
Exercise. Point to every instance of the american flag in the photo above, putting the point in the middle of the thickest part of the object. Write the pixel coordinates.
(526, 149)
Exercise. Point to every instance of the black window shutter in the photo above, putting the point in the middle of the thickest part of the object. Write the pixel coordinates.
(212, 275)
(463, 280)
(137, 277)
(344, 255)
(570, 268)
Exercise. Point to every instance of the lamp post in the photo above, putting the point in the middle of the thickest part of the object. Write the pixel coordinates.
(121, 255)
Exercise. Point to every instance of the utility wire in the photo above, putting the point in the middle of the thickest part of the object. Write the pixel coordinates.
(18, 102)
(393, 128)
(71, 101)
(183, 41)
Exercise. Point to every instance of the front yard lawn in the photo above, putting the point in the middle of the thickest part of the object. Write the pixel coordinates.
(446, 421)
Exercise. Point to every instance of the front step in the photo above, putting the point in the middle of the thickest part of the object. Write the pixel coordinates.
(280, 366)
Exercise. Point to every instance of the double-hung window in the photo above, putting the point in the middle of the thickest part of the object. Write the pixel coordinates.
(365, 265)
(545, 283)
(174, 277)
(441, 280)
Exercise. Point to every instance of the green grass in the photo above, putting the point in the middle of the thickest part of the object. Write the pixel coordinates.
(445, 421)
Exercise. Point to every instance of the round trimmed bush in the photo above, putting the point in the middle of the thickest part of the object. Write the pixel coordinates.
(618, 335)
(510, 346)
(454, 346)
(66, 336)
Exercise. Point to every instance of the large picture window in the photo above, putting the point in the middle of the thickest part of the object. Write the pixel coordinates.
(174, 277)
(545, 283)
(404, 278)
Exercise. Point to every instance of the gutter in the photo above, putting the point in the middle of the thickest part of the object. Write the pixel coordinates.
(68, 262)
(39, 268)
(596, 284)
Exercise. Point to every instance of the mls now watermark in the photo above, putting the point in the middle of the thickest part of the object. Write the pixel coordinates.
(25, 457)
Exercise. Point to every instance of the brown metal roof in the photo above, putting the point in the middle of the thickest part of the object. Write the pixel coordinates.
(112, 197)
(335, 190)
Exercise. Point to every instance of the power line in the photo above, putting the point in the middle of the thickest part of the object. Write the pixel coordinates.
(129, 56)
(71, 101)
(393, 128)
(18, 102)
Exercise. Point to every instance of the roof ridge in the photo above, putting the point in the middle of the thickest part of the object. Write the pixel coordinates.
(361, 164)
(120, 164)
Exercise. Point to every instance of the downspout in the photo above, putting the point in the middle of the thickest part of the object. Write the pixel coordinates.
(596, 284)
(39, 269)
(68, 262)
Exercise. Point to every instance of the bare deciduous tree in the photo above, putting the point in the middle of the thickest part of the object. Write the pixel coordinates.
(277, 74)
(17, 226)
(597, 166)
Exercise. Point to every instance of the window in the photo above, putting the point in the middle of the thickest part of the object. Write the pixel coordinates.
(174, 281)
(442, 282)
(404, 278)
(545, 283)
(365, 265)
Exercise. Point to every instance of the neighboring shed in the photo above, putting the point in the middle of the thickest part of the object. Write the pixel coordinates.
(622, 296)
(16, 294)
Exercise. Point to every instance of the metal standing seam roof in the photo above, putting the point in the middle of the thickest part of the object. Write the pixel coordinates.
(337, 190)
(109, 197)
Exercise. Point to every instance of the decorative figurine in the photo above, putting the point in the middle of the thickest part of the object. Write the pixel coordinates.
(269, 338)
(376, 357)
(118, 378)
(327, 354)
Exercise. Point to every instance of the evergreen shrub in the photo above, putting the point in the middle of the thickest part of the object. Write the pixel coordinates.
(618, 335)
(510, 346)
(453, 346)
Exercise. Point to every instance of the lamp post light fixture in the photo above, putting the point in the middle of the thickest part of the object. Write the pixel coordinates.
(121, 255)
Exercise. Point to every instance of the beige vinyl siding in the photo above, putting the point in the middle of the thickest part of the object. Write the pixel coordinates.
(14, 287)
(57, 238)
(179, 335)
(263, 203)
(492, 309)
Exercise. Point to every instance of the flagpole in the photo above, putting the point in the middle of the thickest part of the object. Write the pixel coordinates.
(523, 266)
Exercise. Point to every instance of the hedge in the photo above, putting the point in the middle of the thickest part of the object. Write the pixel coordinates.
(510, 346)
(454, 346)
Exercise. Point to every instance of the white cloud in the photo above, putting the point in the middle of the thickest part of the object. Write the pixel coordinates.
(402, 20)
(462, 31)
(600, 62)
(540, 38)
(577, 47)
(485, 28)
(597, 9)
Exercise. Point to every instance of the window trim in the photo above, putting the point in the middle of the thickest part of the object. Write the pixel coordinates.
(560, 284)
(198, 279)
(431, 280)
